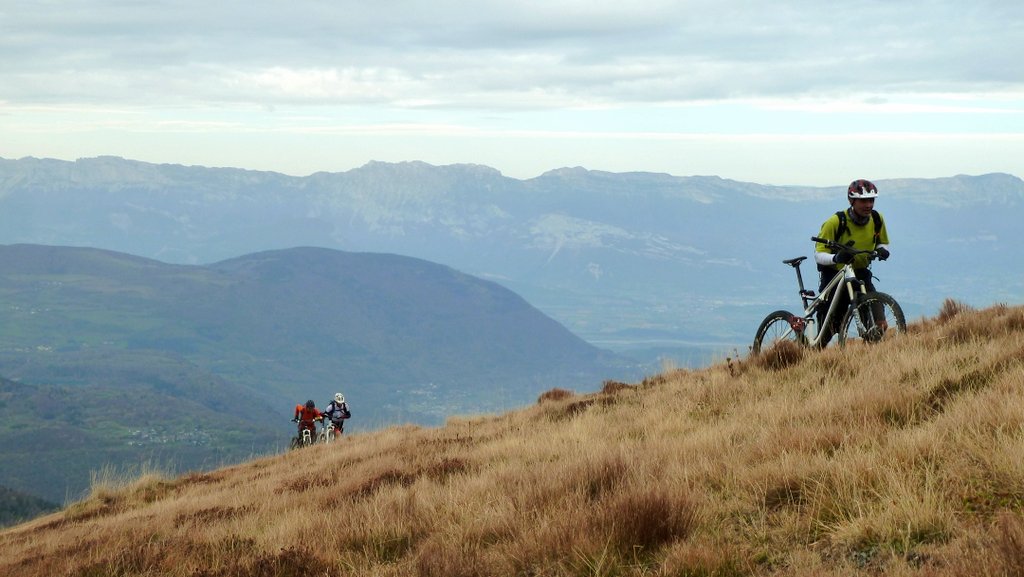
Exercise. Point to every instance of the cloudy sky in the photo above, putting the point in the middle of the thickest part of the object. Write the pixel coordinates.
(783, 92)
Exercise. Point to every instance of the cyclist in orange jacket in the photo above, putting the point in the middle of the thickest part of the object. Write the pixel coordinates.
(306, 416)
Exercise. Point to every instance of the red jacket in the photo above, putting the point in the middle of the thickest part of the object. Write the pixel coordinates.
(306, 415)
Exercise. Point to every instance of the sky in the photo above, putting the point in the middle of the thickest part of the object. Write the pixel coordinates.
(803, 92)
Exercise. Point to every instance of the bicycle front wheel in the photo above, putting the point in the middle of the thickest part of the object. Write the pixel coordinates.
(875, 317)
(778, 326)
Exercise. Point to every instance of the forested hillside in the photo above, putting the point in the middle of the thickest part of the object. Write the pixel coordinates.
(16, 506)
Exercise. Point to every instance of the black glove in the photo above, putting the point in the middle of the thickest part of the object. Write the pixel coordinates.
(842, 257)
(882, 252)
(295, 420)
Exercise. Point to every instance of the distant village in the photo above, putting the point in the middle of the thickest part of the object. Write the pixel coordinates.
(153, 436)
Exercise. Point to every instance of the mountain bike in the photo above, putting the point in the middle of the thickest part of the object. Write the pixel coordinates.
(303, 438)
(869, 317)
(326, 431)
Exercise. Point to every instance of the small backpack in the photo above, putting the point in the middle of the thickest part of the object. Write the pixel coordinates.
(340, 411)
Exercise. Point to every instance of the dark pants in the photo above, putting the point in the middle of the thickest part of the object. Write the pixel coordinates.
(843, 297)
(339, 427)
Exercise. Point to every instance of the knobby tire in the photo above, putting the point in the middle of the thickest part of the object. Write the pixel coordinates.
(774, 328)
(860, 323)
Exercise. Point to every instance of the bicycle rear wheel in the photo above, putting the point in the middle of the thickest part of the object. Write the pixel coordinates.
(777, 326)
(876, 317)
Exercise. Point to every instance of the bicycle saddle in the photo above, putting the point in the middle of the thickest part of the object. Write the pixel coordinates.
(793, 262)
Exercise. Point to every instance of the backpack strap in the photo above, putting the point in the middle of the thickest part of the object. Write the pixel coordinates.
(841, 229)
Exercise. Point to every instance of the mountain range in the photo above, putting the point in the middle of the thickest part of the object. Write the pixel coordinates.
(116, 359)
(624, 260)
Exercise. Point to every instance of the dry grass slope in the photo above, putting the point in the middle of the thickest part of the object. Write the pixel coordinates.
(903, 458)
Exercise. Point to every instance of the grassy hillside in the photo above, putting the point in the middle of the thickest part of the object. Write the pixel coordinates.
(901, 459)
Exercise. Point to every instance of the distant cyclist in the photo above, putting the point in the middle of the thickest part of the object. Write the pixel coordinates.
(860, 227)
(337, 411)
(307, 416)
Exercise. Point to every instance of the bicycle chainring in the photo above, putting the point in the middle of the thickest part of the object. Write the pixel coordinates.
(798, 324)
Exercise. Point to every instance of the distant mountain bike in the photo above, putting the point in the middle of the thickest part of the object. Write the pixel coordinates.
(326, 431)
(303, 438)
(870, 316)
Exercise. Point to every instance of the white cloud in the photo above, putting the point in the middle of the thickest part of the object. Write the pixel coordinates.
(652, 75)
(480, 53)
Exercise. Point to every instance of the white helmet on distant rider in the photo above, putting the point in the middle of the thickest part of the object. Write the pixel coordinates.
(339, 398)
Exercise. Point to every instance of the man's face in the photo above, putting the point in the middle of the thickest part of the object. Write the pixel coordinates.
(862, 206)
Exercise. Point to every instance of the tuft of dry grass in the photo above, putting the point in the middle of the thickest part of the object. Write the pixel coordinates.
(901, 458)
(779, 356)
(950, 309)
(555, 394)
(611, 387)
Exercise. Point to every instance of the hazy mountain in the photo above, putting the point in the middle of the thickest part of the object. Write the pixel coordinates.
(304, 316)
(622, 260)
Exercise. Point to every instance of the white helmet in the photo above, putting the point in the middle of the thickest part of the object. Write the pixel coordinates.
(339, 398)
(862, 189)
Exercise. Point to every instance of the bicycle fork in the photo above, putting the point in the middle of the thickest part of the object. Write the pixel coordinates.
(870, 320)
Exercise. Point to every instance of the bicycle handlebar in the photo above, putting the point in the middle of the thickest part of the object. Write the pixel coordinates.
(836, 246)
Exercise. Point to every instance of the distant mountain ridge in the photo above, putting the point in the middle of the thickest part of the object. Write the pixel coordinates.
(210, 360)
(694, 259)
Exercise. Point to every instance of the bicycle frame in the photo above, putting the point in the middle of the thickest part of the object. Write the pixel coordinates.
(327, 431)
(844, 278)
(306, 436)
(303, 437)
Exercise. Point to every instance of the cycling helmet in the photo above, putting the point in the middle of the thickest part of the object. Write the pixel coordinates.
(339, 398)
(310, 404)
(862, 189)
